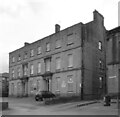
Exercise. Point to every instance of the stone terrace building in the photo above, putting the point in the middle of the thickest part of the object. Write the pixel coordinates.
(113, 61)
(4, 84)
(68, 62)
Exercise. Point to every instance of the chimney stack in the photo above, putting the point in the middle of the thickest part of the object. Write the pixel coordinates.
(26, 43)
(57, 28)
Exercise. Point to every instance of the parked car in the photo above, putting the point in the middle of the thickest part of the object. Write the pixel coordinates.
(40, 95)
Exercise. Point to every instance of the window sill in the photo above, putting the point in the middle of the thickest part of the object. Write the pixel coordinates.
(70, 67)
(70, 91)
(57, 47)
(47, 50)
(31, 74)
(39, 53)
(70, 44)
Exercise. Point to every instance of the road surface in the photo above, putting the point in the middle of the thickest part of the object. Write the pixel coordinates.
(28, 106)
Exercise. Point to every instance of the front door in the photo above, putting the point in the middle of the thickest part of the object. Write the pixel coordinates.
(48, 84)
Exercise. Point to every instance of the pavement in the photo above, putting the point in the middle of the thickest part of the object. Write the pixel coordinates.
(28, 106)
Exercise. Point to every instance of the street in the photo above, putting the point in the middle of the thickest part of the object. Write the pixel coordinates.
(28, 106)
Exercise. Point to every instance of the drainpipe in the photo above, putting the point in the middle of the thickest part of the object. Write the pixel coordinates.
(82, 66)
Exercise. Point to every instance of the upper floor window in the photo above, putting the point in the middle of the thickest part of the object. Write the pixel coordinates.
(100, 45)
(18, 72)
(13, 59)
(25, 55)
(13, 73)
(39, 67)
(70, 39)
(58, 63)
(47, 64)
(19, 57)
(31, 69)
(31, 52)
(58, 44)
(48, 47)
(39, 50)
(70, 60)
(25, 69)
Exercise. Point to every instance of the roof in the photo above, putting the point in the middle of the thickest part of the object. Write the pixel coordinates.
(5, 75)
(114, 30)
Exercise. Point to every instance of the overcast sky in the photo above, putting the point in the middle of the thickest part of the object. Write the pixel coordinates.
(29, 20)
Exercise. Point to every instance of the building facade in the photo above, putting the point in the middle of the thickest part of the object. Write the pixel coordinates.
(68, 62)
(113, 61)
(4, 84)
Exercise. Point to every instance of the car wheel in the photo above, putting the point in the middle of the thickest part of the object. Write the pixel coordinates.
(37, 98)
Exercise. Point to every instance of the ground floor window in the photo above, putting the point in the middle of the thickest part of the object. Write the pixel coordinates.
(31, 86)
(57, 84)
(70, 83)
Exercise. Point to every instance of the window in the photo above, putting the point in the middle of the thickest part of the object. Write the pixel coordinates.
(70, 60)
(13, 73)
(39, 50)
(100, 80)
(47, 64)
(100, 64)
(70, 83)
(70, 39)
(19, 58)
(58, 63)
(100, 45)
(18, 72)
(57, 83)
(31, 69)
(32, 53)
(48, 47)
(31, 85)
(58, 44)
(12, 88)
(38, 85)
(25, 69)
(25, 55)
(39, 67)
(13, 59)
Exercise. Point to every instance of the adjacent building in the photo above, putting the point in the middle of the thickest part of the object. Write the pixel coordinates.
(4, 84)
(113, 61)
(68, 62)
